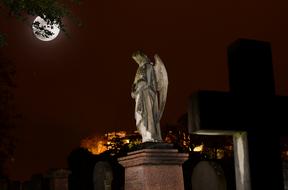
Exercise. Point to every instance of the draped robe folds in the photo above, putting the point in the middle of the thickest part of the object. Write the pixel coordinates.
(146, 104)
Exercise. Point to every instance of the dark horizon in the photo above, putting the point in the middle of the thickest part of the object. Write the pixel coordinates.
(75, 87)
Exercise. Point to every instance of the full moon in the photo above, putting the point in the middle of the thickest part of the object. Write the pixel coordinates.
(41, 28)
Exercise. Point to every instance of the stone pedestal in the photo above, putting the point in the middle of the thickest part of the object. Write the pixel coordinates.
(155, 169)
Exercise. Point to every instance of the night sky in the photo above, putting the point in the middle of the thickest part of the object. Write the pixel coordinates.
(75, 87)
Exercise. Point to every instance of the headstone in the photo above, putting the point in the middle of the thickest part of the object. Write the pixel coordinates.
(36, 182)
(26, 185)
(250, 112)
(149, 169)
(208, 175)
(58, 179)
(285, 174)
(102, 176)
(4, 184)
(14, 185)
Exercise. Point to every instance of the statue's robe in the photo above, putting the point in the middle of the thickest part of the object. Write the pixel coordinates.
(146, 108)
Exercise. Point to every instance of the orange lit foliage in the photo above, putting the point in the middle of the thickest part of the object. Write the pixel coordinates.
(94, 144)
(97, 145)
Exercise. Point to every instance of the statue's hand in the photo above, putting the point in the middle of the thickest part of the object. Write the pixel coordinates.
(141, 85)
(133, 87)
(133, 95)
(136, 88)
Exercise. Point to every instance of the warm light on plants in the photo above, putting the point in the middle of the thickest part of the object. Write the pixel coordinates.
(198, 148)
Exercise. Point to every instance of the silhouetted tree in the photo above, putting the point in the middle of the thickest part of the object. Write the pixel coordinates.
(177, 134)
(81, 164)
(7, 113)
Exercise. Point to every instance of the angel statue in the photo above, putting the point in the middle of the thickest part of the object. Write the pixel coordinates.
(149, 91)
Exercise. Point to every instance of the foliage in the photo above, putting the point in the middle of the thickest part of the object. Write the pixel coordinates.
(214, 147)
(177, 134)
(52, 11)
(119, 146)
(134, 145)
(115, 144)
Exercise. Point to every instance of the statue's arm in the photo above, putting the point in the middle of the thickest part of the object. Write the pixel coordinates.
(138, 87)
(133, 91)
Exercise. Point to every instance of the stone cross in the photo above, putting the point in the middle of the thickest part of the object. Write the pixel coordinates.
(250, 112)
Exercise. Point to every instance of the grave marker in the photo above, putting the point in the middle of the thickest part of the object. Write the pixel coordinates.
(251, 112)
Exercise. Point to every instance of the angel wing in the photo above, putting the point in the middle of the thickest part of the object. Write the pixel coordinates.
(162, 83)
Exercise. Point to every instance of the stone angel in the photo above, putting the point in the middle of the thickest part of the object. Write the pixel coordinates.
(149, 90)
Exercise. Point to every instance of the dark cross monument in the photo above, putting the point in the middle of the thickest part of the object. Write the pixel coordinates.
(251, 112)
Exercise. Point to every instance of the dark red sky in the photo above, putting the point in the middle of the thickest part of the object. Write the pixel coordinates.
(74, 87)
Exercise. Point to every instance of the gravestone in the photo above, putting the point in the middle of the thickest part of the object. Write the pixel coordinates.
(208, 175)
(36, 182)
(285, 174)
(14, 185)
(102, 176)
(250, 112)
(26, 185)
(4, 184)
(58, 179)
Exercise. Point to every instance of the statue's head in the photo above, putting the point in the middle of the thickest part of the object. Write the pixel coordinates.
(140, 58)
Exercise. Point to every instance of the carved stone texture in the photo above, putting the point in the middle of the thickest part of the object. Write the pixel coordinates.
(155, 169)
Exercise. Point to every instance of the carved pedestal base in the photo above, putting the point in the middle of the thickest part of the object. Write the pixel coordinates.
(154, 169)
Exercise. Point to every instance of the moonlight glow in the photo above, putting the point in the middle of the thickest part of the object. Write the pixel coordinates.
(41, 28)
